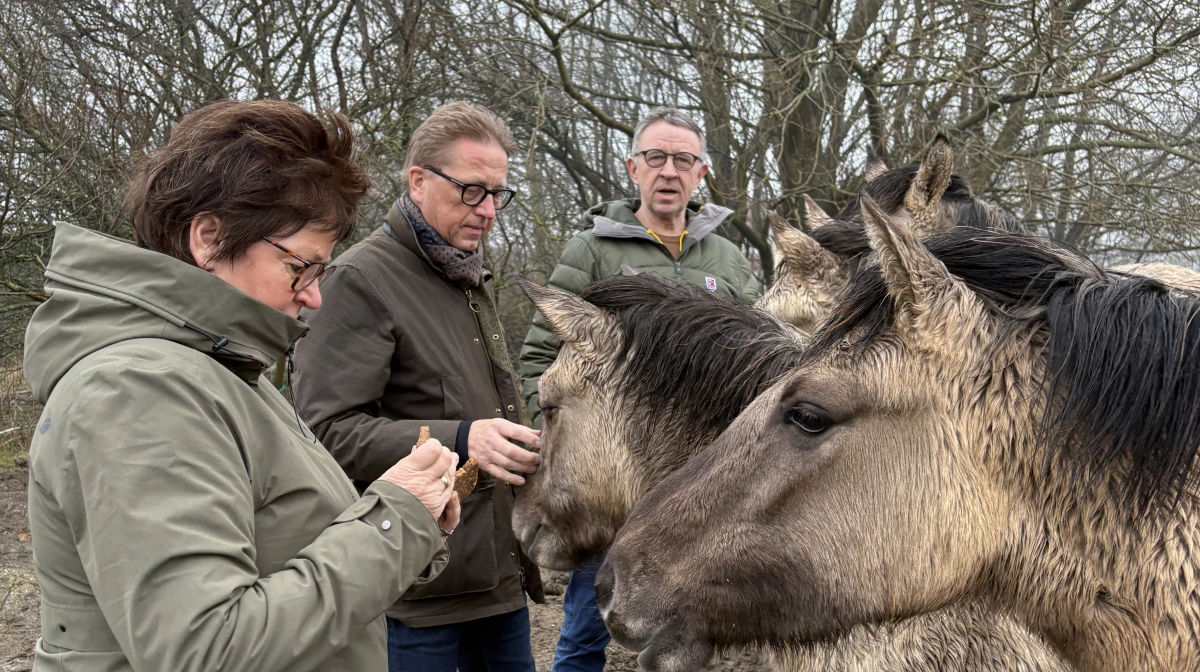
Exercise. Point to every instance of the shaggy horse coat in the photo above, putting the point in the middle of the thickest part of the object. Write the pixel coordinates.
(988, 417)
(814, 271)
(652, 370)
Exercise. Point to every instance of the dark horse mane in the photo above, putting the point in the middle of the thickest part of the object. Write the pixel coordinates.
(704, 356)
(845, 236)
(1122, 352)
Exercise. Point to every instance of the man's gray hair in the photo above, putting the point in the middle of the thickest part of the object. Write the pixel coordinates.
(674, 117)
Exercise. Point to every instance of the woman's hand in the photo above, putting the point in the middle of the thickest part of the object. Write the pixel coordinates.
(449, 519)
(428, 474)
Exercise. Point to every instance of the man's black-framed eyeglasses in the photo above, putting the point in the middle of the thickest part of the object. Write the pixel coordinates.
(473, 194)
(313, 270)
(657, 158)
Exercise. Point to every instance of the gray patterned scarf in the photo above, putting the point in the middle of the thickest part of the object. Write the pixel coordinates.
(459, 266)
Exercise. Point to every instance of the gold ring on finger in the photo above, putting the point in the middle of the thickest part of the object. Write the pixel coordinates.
(445, 482)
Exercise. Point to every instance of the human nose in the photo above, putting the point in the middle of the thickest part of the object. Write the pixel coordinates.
(310, 296)
(487, 207)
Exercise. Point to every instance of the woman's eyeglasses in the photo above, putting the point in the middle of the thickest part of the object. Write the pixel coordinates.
(313, 270)
(473, 194)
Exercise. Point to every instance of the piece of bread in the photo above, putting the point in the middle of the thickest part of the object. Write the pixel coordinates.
(466, 478)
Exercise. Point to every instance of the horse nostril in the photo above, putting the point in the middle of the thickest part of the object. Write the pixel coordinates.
(606, 580)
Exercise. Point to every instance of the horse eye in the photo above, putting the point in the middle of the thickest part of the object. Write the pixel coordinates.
(548, 411)
(810, 419)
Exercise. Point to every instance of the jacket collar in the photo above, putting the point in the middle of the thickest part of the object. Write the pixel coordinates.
(616, 219)
(105, 290)
(398, 228)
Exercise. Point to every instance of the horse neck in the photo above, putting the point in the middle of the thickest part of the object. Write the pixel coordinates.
(1112, 590)
(992, 641)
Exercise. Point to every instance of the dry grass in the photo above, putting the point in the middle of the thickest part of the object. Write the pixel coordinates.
(18, 414)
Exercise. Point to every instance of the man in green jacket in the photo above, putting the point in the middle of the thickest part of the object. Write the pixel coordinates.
(661, 232)
(409, 336)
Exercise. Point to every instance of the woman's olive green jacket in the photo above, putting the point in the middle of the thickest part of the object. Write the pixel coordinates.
(182, 517)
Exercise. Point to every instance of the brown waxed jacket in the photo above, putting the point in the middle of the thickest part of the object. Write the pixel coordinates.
(396, 346)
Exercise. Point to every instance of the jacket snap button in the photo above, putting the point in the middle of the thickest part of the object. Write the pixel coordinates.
(477, 340)
(497, 411)
(386, 525)
(511, 408)
(495, 337)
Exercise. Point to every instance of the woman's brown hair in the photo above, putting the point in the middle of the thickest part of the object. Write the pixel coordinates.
(265, 168)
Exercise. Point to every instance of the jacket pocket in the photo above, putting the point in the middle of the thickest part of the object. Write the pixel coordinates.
(47, 656)
(76, 628)
(453, 393)
(472, 567)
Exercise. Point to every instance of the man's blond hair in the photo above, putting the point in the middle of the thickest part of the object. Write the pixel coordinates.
(450, 123)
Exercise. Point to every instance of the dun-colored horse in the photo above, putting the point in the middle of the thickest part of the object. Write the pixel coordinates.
(815, 271)
(987, 419)
(649, 372)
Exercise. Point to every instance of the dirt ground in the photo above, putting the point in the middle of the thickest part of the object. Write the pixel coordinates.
(19, 599)
(18, 590)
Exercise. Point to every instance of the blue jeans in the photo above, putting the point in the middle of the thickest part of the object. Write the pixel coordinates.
(583, 636)
(493, 644)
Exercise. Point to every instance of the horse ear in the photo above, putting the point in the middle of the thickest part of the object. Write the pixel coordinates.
(803, 255)
(814, 215)
(875, 166)
(571, 319)
(915, 278)
(930, 183)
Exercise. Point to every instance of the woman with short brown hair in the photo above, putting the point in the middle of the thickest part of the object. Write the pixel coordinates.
(182, 515)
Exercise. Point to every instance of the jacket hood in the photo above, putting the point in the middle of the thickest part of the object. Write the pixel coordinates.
(616, 219)
(104, 290)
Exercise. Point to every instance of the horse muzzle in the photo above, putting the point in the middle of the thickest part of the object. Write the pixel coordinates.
(540, 543)
(665, 643)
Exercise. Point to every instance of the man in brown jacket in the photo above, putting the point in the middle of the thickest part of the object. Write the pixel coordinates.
(409, 336)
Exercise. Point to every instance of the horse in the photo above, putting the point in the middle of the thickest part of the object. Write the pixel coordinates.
(675, 326)
(815, 271)
(987, 418)
(649, 371)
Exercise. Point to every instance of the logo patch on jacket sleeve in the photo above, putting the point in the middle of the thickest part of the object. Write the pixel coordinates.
(711, 283)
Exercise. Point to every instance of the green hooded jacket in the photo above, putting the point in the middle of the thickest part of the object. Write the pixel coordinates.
(616, 238)
(182, 517)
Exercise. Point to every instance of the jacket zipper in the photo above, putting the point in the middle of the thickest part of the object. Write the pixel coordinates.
(678, 266)
(520, 570)
(305, 430)
(667, 250)
(471, 303)
(499, 402)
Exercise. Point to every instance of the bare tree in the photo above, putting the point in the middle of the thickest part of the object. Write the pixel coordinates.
(1081, 117)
